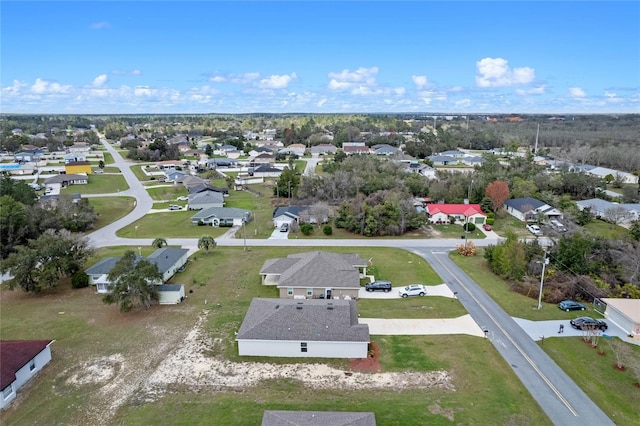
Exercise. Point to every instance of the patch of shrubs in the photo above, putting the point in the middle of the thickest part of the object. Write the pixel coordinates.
(327, 230)
(80, 280)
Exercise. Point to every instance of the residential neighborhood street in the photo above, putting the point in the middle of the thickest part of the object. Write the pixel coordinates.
(563, 401)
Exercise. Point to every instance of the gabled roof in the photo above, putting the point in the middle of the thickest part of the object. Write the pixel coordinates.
(166, 257)
(525, 205)
(463, 209)
(311, 320)
(15, 354)
(204, 186)
(290, 210)
(265, 168)
(170, 287)
(317, 418)
(317, 269)
(103, 266)
(65, 178)
(222, 213)
(206, 197)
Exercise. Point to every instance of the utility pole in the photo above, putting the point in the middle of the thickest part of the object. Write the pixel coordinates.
(545, 262)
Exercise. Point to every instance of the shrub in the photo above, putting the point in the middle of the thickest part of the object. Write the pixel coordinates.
(490, 221)
(200, 223)
(80, 280)
(470, 227)
(306, 228)
(327, 229)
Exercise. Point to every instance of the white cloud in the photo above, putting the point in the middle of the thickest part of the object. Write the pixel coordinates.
(322, 102)
(356, 80)
(495, 72)
(142, 91)
(419, 80)
(100, 80)
(277, 81)
(121, 72)
(99, 25)
(244, 78)
(576, 92)
(463, 103)
(540, 90)
(44, 87)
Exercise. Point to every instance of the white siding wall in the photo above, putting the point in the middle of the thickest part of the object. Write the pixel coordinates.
(621, 320)
(171, 297)
(292, 349)
(25, 373)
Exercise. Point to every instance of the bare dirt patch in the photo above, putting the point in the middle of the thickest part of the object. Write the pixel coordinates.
(97, 371)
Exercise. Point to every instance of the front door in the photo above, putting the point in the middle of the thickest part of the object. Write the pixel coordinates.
(328, 294)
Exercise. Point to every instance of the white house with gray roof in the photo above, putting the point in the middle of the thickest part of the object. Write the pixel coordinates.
(527, 209)
(168, 259)
(205, 200)
(627, 212)
(221, 216)
(316, 274)
(303, 328)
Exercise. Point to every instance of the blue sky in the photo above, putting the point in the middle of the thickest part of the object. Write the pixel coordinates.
(328, 57)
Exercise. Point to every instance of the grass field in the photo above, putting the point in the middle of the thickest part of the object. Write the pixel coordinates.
(612, 390)
(99, 184)
(600, 228)
(110, 209)
(174, 224)
(486, 389)
(167, 192)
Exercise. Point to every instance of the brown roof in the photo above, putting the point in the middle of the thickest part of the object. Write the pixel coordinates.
(15, 354)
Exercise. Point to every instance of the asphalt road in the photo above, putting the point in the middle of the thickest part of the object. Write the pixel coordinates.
(563, 401)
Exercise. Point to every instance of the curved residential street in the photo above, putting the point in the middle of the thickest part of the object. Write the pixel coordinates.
(563, 401)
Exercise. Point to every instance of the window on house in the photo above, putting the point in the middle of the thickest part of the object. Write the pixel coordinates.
(32, 365)
(6, 392)
(303, 347)
(309, 292)
(290, 291)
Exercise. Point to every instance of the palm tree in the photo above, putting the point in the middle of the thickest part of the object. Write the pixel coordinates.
(206, 242)
(159, 243)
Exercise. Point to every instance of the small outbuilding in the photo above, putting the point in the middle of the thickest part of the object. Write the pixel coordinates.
(171, 294)
(20, 361)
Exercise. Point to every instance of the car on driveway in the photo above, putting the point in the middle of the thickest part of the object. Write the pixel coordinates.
(413, 290)
(284, 227)
(175, 207)
(378, 285)
(486, 227)
(570, 305)
(534, 229)
(183, 198)
(586, 323)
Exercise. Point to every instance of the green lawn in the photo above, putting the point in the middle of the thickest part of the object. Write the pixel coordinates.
(505, 222)
(108, 158)
(174, 224)
(167, 192)
(600, 228)
(514, 304)
(456, 231)
(611, 389)
(110, 209)
(99, 184)
(137, 170)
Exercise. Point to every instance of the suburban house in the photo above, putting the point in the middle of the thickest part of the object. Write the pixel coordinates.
(621, 212)
(527, 209)
(205, 200)
(454, 154)
(78, 167)
(323, 149)
(200, 187)
(295, 148)
(263, 158)
(63, 181)
(472, 160)
(452, 213)
(264, 170)
(303, 328)
(221, 216)
(32, 156)
(317, 418)
(262, 150)
(625, 313)
(168, 259)
(603, 172)
(213, 163)
(73, 157)
(351, 148)
(442, 160)
(316, 274)
(299, 214)
(80, 147)
(384, 149)
(21, 360)
(173, 175)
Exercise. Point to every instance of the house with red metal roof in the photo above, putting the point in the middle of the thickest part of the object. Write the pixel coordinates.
(452, 213)
(20, 360)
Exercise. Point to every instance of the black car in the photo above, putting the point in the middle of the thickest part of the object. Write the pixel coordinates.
(583, 323)
(570, 305)
(378, 285)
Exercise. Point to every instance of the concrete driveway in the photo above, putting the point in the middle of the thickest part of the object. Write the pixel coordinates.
(537, 329)
(421, 327)
(442, 290)
(278, 235)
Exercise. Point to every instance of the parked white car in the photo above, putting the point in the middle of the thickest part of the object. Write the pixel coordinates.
(413, 290)
(534, 229)
(183, 198)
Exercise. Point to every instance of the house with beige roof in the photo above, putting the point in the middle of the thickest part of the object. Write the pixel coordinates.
(625, 313)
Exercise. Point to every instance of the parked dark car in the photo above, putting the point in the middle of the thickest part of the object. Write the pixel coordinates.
(587, 322)
(570, 305)
(378, 285)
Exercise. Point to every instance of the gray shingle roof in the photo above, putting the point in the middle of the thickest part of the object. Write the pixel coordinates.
(317, 418)
(166, 257)
(281, 319)
(524, 204)
(104, 266)
(316, 269)
(169, 287)
(221, 213)
(206, 197)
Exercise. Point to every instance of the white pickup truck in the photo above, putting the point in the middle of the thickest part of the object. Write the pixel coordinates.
(534, 229)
